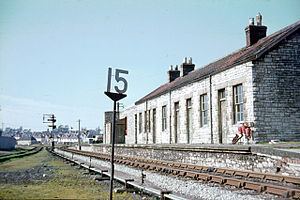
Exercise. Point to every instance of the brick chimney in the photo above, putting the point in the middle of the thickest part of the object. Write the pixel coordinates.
(255, 32)
(187, 66)
(173, 73)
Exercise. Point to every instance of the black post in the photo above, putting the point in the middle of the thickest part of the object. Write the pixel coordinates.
(115, 97)
(113, 137)
(53, 120)
(79, 144)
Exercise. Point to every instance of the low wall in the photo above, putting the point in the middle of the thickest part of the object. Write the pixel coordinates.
(258, 159)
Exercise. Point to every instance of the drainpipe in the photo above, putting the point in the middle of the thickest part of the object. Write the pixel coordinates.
(170, 117)
(210, 105)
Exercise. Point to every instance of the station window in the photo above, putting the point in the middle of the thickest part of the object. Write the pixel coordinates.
(238, 103)
(164, 117)
(189, 120)
(149, 121)
(145, 121)
(154, 124)
(203, 109)
(177, 122)
(140, 122)
(135, 128)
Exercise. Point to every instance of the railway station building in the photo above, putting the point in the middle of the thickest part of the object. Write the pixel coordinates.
(258, 84)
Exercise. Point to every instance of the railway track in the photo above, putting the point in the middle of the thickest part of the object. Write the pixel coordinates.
(284, 186)
(20, 154)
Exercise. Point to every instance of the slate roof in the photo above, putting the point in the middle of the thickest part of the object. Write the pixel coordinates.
(243, 55)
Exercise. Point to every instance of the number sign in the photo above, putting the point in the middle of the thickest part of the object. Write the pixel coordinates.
(118, 78)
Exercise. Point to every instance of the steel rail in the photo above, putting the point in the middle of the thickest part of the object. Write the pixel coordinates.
(129, 183)
(284, 186)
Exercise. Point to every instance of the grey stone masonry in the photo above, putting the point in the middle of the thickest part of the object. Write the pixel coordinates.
(276, 92)
(265, 159)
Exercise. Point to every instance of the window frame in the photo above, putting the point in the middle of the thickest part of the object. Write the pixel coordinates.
(154, 125)
(189, 111)
(164, 117)
(149, 121)
(238, 103)
(135, 123)
(145, 121)
(204, 109)
(140, 122)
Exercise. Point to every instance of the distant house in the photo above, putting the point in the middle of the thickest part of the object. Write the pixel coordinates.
(7, 143)
(27, 140)
(67, 139)
(40, 139)
(93, 137)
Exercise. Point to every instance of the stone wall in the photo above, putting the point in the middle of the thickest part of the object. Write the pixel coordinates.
(243, 158)
(276, 87)
(241, 74)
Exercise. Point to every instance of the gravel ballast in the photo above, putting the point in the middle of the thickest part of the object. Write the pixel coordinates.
(190, 189)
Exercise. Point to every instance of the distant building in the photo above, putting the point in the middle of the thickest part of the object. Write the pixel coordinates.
(67, 139)
(40, 138)
(90, 138)
(27, 140)
(7, 143)
(259, 84)
(120, 129)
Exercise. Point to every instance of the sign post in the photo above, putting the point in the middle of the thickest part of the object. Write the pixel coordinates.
(115, 96)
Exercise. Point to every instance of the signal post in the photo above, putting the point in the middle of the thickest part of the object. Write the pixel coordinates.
(115, 96)
(50, 119)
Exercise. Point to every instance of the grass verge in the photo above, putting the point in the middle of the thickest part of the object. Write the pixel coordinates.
(66, 182)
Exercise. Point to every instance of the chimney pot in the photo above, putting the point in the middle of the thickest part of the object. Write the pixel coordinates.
(185, 60)
(251, 21)
(259, 19)
(190, 60)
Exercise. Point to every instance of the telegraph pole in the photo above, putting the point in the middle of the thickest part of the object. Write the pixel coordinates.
(79, 145)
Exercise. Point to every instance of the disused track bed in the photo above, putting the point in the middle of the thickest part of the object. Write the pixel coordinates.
(20, 154)
(284, 186)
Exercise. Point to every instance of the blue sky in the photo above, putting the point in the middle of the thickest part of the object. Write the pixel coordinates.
(54, 54)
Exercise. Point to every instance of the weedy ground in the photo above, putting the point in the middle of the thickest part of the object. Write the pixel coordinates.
(43, 176)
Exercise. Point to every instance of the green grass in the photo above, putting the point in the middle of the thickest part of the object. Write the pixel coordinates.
(24, 163)
(68, 182)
